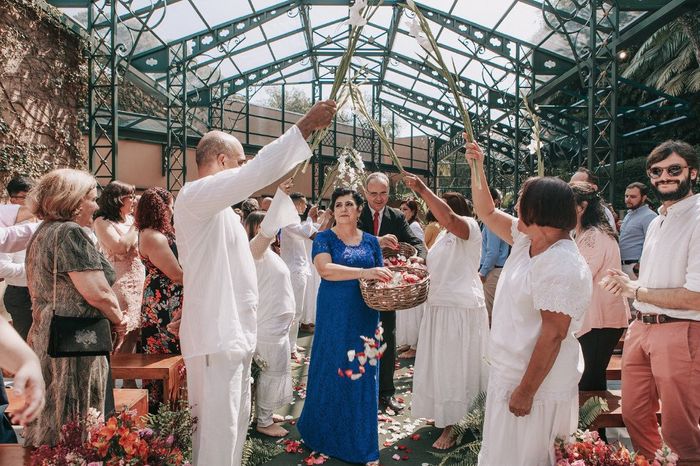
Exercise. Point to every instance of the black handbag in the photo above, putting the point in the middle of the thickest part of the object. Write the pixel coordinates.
(76, 336)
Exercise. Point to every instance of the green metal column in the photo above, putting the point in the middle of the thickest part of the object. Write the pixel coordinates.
(103, 93)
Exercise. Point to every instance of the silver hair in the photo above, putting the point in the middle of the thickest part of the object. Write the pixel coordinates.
(380, 176)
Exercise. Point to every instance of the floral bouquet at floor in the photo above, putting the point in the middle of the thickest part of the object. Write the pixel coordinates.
(162, 439)
(586, 448)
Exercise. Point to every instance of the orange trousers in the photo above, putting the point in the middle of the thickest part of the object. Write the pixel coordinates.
(661, 362)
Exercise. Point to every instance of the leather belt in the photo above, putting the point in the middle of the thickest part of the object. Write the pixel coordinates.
(630, 261)
(659, 318)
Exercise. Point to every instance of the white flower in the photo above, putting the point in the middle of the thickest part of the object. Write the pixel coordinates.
(414, 28)
(356, 18)
(533, 146)
(351, 355)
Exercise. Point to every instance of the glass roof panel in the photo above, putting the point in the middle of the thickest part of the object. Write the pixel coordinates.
(524, 22)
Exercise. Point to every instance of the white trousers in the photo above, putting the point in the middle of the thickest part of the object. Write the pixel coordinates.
(299, 281)
(218, 387)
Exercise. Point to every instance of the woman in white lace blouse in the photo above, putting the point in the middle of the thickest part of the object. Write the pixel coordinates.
(542, 295)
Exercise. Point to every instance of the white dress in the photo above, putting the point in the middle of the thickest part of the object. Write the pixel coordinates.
(557, 280)
(408, 320)
(308, 315)
(450, 368)
(275, 315)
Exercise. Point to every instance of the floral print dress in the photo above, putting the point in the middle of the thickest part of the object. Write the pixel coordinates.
(161, 298)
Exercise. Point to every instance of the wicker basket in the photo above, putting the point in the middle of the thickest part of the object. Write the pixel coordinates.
(399, 297)
(405, 250)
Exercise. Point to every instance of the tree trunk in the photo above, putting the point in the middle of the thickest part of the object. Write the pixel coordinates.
(691, 26)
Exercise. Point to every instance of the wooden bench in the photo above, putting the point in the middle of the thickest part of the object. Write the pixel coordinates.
(165, 367)
(614, 370)
(612, 418)
(134, 399)
(14, 455)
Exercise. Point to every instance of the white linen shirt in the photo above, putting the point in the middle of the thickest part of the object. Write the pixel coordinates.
(293, 248)
(453, 264)
(219, 272)
(671, 255)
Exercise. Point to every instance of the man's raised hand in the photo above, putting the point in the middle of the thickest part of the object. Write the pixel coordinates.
(319, 116)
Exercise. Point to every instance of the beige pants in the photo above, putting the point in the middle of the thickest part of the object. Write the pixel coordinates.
(490, 289)
(218, 388)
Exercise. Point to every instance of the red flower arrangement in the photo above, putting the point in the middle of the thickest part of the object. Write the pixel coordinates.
(118, 442)
(585, 448)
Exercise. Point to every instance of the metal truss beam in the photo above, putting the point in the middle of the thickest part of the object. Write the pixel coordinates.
(103, 104)
(309, 37)
(175, 153)
(634, 34)
(391, 37)
(498, 43)
(157, 58)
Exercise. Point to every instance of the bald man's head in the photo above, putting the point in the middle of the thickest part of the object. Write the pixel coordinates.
(216, 144)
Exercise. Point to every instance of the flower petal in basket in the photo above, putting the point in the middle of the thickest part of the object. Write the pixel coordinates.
(395, 298)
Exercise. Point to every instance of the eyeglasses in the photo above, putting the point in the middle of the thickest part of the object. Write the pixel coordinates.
(673, 170)
(18, 197)
(129, 196)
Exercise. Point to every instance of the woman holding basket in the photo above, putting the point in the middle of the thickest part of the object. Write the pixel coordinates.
(450, 369)
(340, 413)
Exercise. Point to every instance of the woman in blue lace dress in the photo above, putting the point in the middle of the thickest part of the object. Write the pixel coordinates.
(339, 418)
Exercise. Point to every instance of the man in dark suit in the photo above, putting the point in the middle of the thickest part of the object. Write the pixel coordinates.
(390, 226)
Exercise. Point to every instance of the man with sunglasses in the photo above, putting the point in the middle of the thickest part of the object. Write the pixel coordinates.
(661, 358)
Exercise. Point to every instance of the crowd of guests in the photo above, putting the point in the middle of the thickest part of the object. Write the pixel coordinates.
(526, 307)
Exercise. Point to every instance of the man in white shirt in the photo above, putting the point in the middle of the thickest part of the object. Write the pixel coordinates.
(218, 330)
(661, 358)
(293, 252)
(16, 297)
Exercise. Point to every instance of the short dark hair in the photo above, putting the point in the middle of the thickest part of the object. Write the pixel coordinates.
(665, 149)
(252, 221)
(590, 176)
(548, 202)
(495, 194)
(110, 201)
(340, 192)
(296, 196)
(413, 205)
(19, 184)
(459, 204)
(429, 217)
(643, 189)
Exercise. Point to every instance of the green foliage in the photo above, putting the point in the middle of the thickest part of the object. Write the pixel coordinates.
(178, 423)
(590, 410)
(295, 100)
(257, 452)
(668, 60)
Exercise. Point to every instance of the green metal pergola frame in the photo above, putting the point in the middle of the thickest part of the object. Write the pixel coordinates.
(511, 67)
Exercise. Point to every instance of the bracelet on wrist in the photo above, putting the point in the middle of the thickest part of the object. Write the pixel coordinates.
(636, 293)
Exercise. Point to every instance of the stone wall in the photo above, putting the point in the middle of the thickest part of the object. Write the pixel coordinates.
(43, 87)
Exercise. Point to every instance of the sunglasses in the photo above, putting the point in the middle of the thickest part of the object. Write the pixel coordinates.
(672, 170)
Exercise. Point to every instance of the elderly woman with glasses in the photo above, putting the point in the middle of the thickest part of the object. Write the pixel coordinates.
(118, 239)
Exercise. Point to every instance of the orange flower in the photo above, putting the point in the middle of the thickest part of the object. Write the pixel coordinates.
(641, 461)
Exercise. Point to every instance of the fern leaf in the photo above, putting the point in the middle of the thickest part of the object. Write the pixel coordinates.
(590, 410)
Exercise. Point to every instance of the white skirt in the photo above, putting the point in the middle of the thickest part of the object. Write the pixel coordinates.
(408, 325)
(450, 369)
(529, 439)
(274, 384)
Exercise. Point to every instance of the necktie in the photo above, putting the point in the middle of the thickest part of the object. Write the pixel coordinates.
(376, 223)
